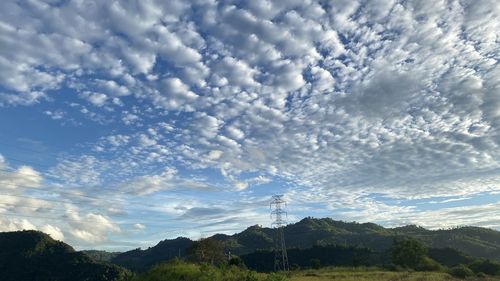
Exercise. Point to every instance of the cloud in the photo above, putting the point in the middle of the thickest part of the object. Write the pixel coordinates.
(16, 224)
(139, 226)
(84, 170)
(21, 177)
(55, 115)
(53, 231)
(151, 183)
(89, 227)
(398, 98)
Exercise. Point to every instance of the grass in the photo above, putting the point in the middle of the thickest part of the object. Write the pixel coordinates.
(373, 274)
(177, 270)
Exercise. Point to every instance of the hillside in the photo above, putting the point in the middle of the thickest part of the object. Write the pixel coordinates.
(32, 255)
(473, 241)
(140, 260)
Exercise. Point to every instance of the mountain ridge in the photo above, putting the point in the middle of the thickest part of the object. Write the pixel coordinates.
(34, 255)
(474, 241)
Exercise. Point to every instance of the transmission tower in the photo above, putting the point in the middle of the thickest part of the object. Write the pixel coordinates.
(280, 255)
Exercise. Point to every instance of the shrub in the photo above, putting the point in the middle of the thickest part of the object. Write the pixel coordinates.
(486, 267)
(428, 264)
(178, 270)
(461, 271)
(408, 253)
(315, 263)
(237, 261)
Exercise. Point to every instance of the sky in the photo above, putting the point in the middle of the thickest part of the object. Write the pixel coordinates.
(123, 123)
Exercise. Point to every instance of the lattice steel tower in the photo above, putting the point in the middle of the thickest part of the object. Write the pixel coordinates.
(280, 255)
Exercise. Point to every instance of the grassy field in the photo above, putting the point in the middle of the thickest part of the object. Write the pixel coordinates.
(374, 275)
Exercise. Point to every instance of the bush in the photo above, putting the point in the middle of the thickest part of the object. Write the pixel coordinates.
(178, 270)
(481, 275)
(315, 263)
(486, 267)
(237, 261)
(461, 271)
(408, 253)
(428, 264)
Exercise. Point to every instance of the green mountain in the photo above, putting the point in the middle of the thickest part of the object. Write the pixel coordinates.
(141, 260)
(33, 255)
(100, 256)
(472, 241)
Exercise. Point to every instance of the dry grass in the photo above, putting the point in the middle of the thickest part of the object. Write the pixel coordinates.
(375, 275)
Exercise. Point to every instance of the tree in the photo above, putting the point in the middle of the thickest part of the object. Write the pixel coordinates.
(207, 251)
(408, 253)
(237, 261)
(315, 263)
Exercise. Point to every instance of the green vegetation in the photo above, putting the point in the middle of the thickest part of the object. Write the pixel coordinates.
(474, 242)
(209, 251)
(100, 256)
(322, 249)
(372, 274)
(179, 270)
(141, 260)
(33, 255)
(329, 255)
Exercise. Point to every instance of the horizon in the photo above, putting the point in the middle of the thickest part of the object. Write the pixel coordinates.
(126, 122)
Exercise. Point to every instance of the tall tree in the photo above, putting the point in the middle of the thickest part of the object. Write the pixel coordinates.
(207, 251)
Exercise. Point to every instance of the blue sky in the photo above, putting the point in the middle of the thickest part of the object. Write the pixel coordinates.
(123, 123)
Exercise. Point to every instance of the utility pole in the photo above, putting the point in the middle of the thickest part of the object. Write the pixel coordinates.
(280, 255)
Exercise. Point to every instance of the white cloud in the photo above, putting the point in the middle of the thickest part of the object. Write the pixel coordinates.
(16, 224)
(90, 227)
(55, 115)
(97, 99)
(21, 177)
(53, 231)
(386, 97)
(152, 183)
(145, 140)
(139, 226)
(130, 118)
(85, 170)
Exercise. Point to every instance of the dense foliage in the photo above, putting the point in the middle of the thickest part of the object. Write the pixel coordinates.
(317, 256)
(409, 253)
(141, 260)
(101, 256)
(178, 270)
(33, 255)
(313, 244)
(208, 251)
(309, 232)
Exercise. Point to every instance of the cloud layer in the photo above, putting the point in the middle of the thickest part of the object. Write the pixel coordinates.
(345, 100)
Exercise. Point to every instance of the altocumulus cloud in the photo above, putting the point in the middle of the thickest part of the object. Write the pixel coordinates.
(344, 99)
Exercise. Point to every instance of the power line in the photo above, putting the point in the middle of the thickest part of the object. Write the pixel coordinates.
(280, 254)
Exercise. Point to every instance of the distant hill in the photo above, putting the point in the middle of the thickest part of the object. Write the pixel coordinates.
(33, 255)
(472, 241)
(100, 256)
(140, 260)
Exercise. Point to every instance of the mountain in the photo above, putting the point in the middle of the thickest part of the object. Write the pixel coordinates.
(100, 256)
(472, 241)
(33, 255)
(141, 260)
